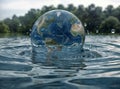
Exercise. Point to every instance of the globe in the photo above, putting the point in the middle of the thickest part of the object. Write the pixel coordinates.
(58, 28)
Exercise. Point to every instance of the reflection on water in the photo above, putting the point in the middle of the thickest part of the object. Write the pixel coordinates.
(95, 67)
(60, 57)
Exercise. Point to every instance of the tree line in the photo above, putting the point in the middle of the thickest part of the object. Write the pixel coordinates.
(93, 18)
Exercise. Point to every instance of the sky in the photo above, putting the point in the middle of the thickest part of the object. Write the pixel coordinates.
(19, 7)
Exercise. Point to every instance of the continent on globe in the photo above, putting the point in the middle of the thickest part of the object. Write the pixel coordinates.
(76, 29)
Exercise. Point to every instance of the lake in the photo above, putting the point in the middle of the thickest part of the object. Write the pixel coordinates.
(97, 67)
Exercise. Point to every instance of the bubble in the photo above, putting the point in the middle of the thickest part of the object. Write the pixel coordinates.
(58, 27)
(58, 30)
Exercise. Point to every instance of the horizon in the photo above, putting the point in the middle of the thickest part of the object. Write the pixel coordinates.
(20, 8)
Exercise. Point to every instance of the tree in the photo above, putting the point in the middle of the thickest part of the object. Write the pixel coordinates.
(71, 8)
(81, 13)
(108, 24)
(27, 21)
(60, 6)
(109, 10)
(15, 24)
(47, 8)
(93, 18)
(8, 22)
(116, 12)
(3, 28)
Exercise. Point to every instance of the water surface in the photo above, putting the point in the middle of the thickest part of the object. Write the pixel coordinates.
(97, 67)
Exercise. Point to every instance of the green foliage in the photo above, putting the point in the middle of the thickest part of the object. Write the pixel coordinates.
(60, 6)
(28, 20)
(93, 18)
(108, 24)
(3, 28)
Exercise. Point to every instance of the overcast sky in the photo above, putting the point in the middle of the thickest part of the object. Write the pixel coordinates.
(20, 7)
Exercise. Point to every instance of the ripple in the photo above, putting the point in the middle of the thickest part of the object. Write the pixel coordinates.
(103, 83)
(96, 67)
(15, 67)
(13, 83)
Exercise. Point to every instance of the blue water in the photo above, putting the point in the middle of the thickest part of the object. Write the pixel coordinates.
(96, 67)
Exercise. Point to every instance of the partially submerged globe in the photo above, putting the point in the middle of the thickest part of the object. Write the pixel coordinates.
(58, 28)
